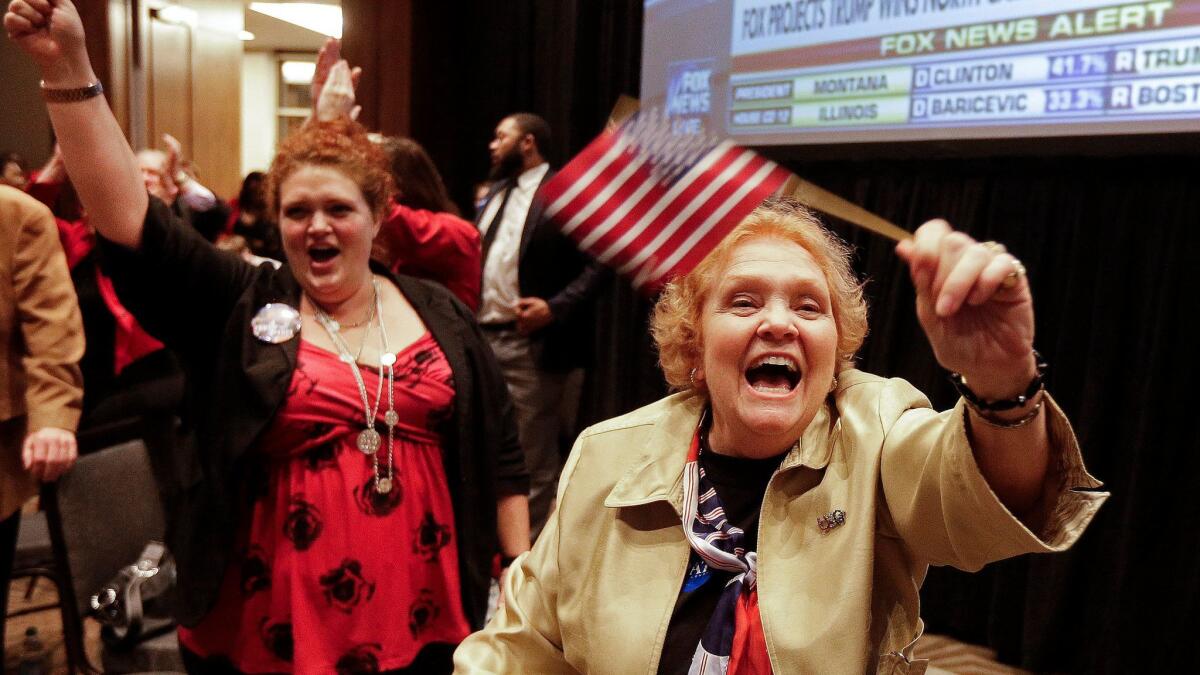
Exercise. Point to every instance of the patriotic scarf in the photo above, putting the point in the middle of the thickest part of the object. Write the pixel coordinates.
(733, 642)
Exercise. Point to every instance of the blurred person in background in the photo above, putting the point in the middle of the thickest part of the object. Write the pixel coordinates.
(52, 187)
(41, 391)
(126, 372)
(251, 219)
(12, 170)
(168, 176)
(536, 304)
(236, 244)
(482, 189)
(423, 234)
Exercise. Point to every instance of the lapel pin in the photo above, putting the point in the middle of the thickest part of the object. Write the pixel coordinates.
(831, 520)
(275, 323)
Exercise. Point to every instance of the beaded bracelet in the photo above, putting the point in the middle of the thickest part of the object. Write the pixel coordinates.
(1035, 385)
(1007, 424)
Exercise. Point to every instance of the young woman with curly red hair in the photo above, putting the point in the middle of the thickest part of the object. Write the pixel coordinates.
(344, 425)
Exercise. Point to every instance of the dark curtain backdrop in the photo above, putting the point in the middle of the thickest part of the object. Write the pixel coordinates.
(1112, 248)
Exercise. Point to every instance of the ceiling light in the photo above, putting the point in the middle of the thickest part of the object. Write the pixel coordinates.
(178, 15)
(319, 18)
(245, 36)
(297, 72)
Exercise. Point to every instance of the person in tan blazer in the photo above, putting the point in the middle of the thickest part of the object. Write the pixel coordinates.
(41, 389)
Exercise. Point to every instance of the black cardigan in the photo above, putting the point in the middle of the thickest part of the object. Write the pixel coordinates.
(199, 302)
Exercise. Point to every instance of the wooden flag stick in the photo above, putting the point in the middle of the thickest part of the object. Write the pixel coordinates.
(625, 107)
(826, 202)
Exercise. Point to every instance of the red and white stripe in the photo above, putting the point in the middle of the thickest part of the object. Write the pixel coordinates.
(613, 202)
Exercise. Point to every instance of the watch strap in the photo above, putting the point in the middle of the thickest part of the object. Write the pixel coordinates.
(72, 95)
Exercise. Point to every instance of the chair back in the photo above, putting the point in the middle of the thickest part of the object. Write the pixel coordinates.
(108, 507)
(101, 514)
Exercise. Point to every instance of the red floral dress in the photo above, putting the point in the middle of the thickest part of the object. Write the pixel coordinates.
(333, 576)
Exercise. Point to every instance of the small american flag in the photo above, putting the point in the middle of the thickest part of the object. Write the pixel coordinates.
(651, 203)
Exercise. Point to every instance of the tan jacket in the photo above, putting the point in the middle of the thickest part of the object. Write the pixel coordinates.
(41, 336)
(596, 593)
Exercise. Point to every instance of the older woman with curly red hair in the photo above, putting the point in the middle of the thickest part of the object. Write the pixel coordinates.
(779, 512)
(346, 428)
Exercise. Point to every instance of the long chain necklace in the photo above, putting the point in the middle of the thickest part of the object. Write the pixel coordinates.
(368, 440)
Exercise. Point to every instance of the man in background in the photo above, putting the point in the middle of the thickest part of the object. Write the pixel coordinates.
(41, 390)
(166, 176)
(536, 303)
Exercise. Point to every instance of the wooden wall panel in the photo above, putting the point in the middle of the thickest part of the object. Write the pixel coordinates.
(167, 77)
(193, 85)
(158, 76)
(119, 52)
(169, 83)
(378, 37)
(24, 124)
(216, 140)
(94, 14)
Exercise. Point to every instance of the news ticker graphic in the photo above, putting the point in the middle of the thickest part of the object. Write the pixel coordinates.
(1131, 61)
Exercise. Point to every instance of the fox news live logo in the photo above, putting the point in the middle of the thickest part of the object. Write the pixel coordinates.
(689, 95)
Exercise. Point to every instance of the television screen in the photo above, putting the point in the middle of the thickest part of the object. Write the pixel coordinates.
(774, 72)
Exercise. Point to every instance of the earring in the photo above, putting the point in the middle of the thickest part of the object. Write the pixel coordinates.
(834, 384)
(692, 377)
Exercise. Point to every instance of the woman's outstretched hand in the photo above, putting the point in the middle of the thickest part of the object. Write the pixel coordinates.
(51, 32)
(973, 301)
(334, 84)
(337, 96)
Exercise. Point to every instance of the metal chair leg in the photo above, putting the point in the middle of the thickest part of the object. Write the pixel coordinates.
(29, 588)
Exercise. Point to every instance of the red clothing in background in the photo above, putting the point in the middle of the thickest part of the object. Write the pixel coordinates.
(131, 342)
(432, 245)
(78, 240)
(76, 237)
(235, 212)
(332, 576)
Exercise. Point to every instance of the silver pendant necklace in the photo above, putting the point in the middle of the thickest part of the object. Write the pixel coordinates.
(368, 440)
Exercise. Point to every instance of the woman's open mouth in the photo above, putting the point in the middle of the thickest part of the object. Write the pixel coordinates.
(321, 255)
(773, 374)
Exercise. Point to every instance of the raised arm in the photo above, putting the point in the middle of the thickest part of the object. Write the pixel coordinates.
(53, 171)
(334, 84)
(974, 303)
(197, 197)
(99, 160)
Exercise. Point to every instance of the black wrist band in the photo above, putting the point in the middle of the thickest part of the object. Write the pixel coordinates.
(1035, 385)
(507, 560)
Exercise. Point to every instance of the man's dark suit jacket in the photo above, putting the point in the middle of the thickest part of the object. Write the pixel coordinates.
(549, 266)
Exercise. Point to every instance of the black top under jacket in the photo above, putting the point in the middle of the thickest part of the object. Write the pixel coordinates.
(199, 301)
